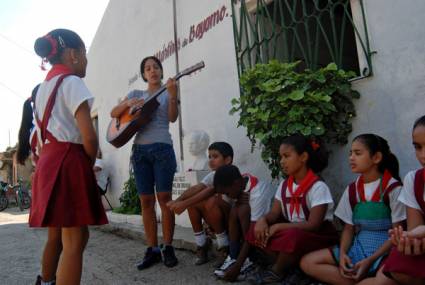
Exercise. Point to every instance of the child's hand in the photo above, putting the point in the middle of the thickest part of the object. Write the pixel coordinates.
(232, 273)
(261, 231)
(361, 269)
(396, 234)
(177, 207)
(272, 230)
(411, 246)
(345, 266)
(418, 232)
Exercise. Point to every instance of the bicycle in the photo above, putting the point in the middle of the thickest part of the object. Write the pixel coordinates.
(4, 200)
(18, 192)
(22, 196)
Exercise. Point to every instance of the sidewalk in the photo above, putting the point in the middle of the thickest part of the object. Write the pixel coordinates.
(130, 226)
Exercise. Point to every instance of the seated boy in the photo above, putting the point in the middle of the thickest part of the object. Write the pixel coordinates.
(202, 202)
(252, 199)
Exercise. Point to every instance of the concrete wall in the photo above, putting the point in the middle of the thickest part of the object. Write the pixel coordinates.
(391, 99)
(395, 95)
(133, 29)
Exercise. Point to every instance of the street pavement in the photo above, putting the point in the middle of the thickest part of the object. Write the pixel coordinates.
(108, 259)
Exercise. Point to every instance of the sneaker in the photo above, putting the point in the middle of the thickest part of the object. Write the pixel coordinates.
(39, 280)
(151, 257)
(222, 254)
(247, 265)
(225, 265)
(297, 277)
(202, 254)
(168, 255)
(264, 277)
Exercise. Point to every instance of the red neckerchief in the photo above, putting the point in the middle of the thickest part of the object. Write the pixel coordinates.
(303, 187)
(56, 70)
(252, 180)
(376, 197)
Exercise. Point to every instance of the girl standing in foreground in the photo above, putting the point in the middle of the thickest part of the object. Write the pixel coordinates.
(65, 198)
(406, 262)
(300, 218)
(368, 207)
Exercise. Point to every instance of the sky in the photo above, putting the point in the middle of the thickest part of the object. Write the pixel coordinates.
(21, 23)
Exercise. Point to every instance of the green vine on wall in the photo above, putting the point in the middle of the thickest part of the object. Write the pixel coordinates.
(277, 100)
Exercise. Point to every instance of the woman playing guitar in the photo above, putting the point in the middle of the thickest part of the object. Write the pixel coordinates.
(153, 159)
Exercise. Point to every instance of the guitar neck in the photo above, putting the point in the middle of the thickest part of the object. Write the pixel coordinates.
(177, 77)
(157, 93)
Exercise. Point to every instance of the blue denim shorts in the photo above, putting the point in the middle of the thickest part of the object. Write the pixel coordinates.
(154, 166)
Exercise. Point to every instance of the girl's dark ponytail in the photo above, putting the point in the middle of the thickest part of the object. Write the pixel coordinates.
(51, 46)
(391, 164)
(24, 147)
(376, 144)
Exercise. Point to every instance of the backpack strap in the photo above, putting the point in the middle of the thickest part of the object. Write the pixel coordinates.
(419, 188)
(304, 203)
(283, 193)
(48, 111)
(389, 189)
(352, 195)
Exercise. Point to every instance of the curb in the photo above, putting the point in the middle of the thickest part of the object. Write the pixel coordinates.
(130, 226)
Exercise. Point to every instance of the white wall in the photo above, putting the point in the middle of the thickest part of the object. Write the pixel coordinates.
(395, 95)
(133, 29)
(391, 99)
(129, 31)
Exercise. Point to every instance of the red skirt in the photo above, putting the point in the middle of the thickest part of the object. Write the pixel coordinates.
(298, 241)
(412, 265)
(64, 192)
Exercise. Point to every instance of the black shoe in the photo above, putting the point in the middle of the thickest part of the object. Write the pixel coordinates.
(39, 280)
(151, 257)
(168, 256)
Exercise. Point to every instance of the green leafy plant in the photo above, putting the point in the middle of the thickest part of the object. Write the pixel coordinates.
(129, 199)
(277, 100)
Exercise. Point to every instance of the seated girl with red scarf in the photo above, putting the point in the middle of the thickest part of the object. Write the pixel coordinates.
(300, 219)
(368, 208)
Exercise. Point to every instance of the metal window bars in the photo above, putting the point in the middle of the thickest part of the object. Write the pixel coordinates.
(316, 32)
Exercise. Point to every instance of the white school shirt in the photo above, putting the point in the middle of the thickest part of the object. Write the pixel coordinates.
(407, 195)
(102, 174)
(398, 211)
(71, 94)
(318, 194)
(260, 198)
(208, 181)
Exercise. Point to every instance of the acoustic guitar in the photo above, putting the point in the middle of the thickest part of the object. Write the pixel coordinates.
(122, 129)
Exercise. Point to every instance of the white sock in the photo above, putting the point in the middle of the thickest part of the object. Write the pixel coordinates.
(222, 240)
(47, 283)
(200, 238)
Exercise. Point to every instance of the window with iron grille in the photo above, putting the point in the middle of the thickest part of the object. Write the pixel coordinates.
(315, 32)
